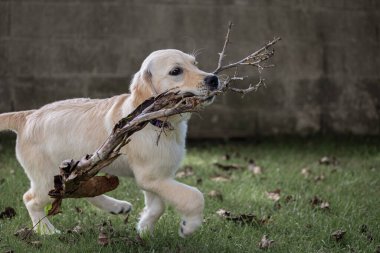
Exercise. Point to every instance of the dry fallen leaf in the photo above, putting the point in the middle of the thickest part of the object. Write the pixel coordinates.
(223, 213)
(226, 157)
(315, 201)
(103, 239)
(273, 195)
(253, 168)
(242, 219)
(76, 230)
(306, 172)
(78, 209)
(277, 205)
(185, 172)
(24, 233)
(338, 235)
(220, 178)
(215, 194)
(318, 202)
(8, 213)
(289, 198)
(265, 243)
(106, 231)
(319, 178)
(325, 205)
(228, 167)
(36, 244)
(327, 160)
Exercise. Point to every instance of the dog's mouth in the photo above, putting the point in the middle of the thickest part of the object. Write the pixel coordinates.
(209, 100)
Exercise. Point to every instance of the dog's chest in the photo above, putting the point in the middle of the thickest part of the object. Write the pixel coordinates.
(145, 151)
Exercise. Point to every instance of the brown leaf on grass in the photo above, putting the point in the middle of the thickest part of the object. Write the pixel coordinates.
(215, 194)
(273, 195)
(226, 157)
(242, 219)
(365, 231)
(185, 172)
(36, 244)
(325, 205)
(105, 233)
(318, 202)
(253, 168)
(265, 243)
(8, 213)
(220, 178)
(289, 198)
(103, 239)
(338, 235)
(277, 205)
(92, 187)
(78, 209)
(328, 160)
(126, 219)
(228, 167)
(24, 233)
(306, 172)
(319, 178)
(315, 201)
(223, 213)
(75, 230)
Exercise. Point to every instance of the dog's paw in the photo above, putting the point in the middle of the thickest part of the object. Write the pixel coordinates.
(120, 207)
(43, 228)
(188, 226)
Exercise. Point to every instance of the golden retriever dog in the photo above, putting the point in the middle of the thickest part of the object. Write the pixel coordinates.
(75, 127)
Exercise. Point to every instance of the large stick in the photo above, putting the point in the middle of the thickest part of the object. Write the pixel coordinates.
(78, 178)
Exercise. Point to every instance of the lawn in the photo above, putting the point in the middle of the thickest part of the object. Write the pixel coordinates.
(350, 186)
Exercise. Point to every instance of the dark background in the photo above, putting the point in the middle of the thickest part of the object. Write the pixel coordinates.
(326, 80)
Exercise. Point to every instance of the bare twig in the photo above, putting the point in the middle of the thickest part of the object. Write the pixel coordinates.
(254, 58)
(222, 54)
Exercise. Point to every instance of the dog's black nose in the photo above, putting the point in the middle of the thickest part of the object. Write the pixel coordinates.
(212, 82)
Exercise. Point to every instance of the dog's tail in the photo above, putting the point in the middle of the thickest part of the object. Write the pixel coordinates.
(13, 120)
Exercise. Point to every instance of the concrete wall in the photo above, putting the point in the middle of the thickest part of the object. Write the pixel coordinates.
(327, 78)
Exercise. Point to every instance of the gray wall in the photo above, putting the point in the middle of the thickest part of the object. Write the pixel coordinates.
(327, 78)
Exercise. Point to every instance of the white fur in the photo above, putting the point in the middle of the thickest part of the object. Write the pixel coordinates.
(73, 128)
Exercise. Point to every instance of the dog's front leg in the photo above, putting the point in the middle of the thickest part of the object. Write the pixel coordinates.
(189, 201)
(154, 208)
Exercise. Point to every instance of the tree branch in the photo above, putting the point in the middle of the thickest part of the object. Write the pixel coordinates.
(78, 178)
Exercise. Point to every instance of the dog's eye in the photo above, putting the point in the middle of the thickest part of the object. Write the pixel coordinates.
(176, 71)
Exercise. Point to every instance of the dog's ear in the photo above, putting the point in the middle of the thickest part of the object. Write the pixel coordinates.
(146, 76)
(142, 86)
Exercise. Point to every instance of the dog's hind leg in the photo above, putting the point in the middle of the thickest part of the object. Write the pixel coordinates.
(111, 205)
(154, 208)
(35, 203)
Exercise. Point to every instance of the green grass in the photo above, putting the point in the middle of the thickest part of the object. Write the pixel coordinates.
(352, 188)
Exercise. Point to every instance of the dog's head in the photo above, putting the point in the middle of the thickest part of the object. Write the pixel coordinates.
(171, 69)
